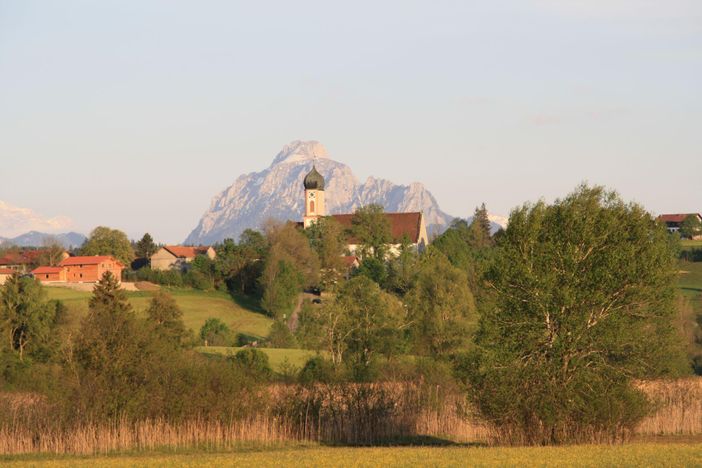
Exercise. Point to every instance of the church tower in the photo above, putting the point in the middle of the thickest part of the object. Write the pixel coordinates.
(314, 197)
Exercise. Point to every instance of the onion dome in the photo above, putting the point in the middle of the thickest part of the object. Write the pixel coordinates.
(314, 180)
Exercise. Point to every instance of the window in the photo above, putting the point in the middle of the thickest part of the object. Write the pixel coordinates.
(311, 206)
(47, 276)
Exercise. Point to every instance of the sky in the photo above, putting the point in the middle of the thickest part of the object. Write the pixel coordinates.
(134, 114)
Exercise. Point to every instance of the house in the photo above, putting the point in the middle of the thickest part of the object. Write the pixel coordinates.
(409, 227)
(23, 260)
(50, 274)
(674, 221)
(178, 256)
(89, 269)
(4, 274)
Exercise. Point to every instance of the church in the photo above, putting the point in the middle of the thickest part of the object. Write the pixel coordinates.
(402, 225)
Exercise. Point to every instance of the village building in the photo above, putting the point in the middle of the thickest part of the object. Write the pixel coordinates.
(82, 269)
(5, 273)
(407, 228)
(673, 222)
(89, 269)
(22, 261)
(178, 257)
(50, 274)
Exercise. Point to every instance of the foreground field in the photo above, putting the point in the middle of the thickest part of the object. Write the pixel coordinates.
(197, 307)
(637, 454)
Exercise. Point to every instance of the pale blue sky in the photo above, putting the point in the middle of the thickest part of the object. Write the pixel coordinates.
(134, 114)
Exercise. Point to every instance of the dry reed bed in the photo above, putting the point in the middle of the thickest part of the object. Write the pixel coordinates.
(352, 414)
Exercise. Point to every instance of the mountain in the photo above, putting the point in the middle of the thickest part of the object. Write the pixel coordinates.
(277, 193)
(37, 239)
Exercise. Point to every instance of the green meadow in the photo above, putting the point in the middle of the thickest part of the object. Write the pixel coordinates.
(242, 315)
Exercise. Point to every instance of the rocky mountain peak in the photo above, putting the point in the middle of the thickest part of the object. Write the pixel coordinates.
(278, 193)
(297, 151)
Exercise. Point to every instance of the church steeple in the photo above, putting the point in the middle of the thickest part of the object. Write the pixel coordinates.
(314, 196)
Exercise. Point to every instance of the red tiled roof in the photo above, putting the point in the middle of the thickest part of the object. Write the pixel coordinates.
(676, 218)
(88, 260)
(182, 251)
(6, 271)
(401, 224)
(23, 257)
(42, 270)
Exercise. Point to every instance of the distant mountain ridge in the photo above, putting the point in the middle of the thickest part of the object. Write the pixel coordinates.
(37, 239)
(277, 193)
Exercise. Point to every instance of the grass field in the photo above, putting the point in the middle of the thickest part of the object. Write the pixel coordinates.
(240, 315)
(276, 357)
(636, 454)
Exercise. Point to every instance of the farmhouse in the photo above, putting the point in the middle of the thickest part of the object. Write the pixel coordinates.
(674, 221)
(23, 260)
(177, 256)
(408, 227)
(50, 274)
(4, 274)
(89, 269)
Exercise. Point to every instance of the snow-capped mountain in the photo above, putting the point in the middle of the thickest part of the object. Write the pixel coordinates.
(277, 193)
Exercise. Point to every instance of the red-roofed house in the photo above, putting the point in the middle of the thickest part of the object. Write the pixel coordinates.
(22, 260)
(89, 269)
(4, 274)
(674, 221)
(50, 274)
(178, 256)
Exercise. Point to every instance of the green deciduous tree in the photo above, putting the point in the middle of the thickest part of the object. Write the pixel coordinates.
(106, 241)
(27, 317)
(326, 238)
(583, 305)
(360, 324)
(691, 227)
(441, 307)
(371, 228)
(283, 287)
(216, 333)
(167, 319)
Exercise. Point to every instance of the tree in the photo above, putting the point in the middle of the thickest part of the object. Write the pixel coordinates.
(372, 229)
(145, 247)
(360, 324)
(283, 286)
(691, 227)
(106, 241)
(216, 333)
(441, 307)
(326, 237)
(584, 291)
(112, 352)
(481, 227)
(289, 243)
(167, 319)
(280, 336)
(27, 317)
(240, 266)
(52, 252)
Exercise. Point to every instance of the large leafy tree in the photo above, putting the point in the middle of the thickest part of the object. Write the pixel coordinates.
(326, 238)
(106, 241)
(583, 305)
(371, 228)
(441, 307)
(167, 319)
(359, 325)
(691, 227)
(27, 317)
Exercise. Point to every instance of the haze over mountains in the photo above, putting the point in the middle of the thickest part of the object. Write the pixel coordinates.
(277, 193)
(68, 240)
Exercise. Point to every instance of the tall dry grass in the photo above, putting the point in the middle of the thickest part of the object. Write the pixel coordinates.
(345, 414)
